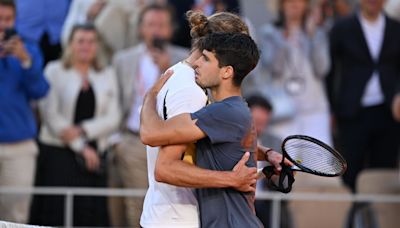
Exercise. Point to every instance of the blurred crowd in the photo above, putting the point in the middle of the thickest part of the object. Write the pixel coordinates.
(73, 75)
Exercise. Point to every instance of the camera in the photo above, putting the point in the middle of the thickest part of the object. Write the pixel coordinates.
(8, 33)
(159, 43)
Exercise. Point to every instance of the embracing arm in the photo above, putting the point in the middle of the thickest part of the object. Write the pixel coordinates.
(172, 170)
(154, 131)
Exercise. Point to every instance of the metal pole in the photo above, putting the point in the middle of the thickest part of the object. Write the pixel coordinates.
(68, 209)
(276, 212)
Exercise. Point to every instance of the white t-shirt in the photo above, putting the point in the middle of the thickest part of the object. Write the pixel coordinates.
(167, 205)
(147, 76)
(374, 35)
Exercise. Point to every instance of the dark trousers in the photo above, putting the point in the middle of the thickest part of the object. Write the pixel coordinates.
(371, 140)
(59, 167)
(264, 213)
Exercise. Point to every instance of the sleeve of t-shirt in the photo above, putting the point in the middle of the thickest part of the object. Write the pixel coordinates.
(188, 99)
(219, 123)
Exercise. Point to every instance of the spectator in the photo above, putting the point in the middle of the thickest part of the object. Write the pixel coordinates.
(365, 69)
(21, 82)
(334, 10)
(41, 22)
(80, 11)
(115, 21)
(295, 51)
(392, 8)
(261, 110)
(208, 7)
(137, 69)
(79, 114)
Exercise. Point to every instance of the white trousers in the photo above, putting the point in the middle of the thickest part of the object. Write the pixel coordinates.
(17, 169)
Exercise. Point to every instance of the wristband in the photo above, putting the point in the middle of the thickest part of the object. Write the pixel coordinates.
(265, 152)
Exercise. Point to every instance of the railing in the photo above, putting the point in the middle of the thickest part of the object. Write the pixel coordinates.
(276, 198)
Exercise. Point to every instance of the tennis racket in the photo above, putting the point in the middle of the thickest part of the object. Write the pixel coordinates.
(311, 156)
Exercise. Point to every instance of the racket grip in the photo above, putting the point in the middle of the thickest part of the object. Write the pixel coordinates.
(268, 171)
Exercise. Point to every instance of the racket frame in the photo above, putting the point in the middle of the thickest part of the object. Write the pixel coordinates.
(299, 167)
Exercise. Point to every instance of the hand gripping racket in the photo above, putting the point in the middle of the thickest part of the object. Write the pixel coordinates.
(309, 155)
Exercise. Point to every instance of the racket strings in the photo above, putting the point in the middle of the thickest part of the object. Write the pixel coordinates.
(313, 156)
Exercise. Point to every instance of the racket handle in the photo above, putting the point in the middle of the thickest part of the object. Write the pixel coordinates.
(267, 171)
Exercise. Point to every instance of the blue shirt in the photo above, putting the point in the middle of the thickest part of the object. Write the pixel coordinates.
(227, 125)
(18, 86)
(36, 17)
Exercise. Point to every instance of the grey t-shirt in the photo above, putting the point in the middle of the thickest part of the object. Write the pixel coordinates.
(227, 124)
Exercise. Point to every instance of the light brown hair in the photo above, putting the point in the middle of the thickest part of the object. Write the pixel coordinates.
(220, 22)
(67, 55)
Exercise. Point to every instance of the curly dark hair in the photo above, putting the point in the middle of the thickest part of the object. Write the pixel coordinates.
(232, 49)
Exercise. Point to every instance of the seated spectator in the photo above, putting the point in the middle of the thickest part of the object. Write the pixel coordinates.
(79, 114)
(21, 81)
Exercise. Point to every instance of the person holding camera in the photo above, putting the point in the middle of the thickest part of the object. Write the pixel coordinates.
(21, 81)
(137, 69)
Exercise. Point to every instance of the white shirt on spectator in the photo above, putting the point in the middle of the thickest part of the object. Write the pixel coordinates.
(374, 34)
(147, 76)
(167, 205)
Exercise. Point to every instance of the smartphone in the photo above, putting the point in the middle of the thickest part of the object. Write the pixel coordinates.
(8, 33)
(159, 43)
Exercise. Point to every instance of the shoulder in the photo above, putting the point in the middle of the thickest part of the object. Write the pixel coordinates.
(107, 72)
(183, 75)
(269, 29)
(128, 54)
(393, 23)
(183, 82)
(54, 72)
(55, 66)
(178, 53)
(179, 50)
(232, 108)
(346, 22)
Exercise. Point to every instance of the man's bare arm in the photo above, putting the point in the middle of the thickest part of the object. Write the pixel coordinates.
(172, 170)
(271, 156)
(154, 131)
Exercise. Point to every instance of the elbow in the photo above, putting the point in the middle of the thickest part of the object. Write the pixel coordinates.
(147, 138)
(159, 174)
(144, 135)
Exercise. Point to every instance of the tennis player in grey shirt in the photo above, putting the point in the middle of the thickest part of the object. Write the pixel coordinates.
(227, 124)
